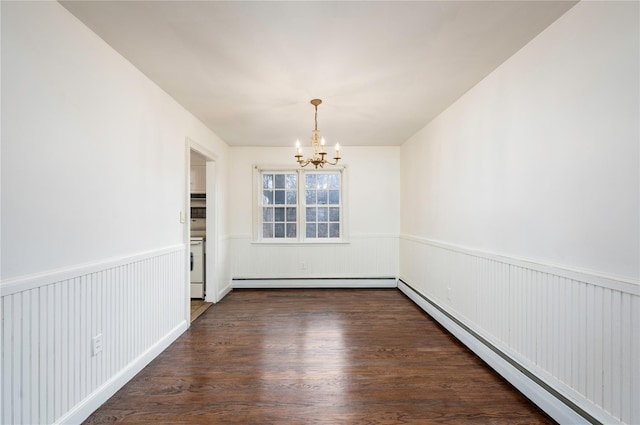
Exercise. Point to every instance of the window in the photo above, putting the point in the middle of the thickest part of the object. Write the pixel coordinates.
(299, 205)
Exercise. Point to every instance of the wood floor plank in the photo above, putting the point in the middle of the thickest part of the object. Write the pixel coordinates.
(198, 307)
(317, 356)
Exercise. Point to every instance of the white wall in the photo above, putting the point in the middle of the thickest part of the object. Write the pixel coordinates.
(373, 219)
(93, 182)
(93, 151)
(521, 213)
(540, 160)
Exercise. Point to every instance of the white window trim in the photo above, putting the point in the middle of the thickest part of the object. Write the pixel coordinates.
(300, 239)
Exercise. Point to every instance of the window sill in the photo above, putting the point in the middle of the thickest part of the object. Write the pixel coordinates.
(300, 243)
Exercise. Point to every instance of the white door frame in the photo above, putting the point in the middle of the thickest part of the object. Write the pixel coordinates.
(211, 259)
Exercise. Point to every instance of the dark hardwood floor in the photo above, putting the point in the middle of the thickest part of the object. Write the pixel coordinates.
(319, 356)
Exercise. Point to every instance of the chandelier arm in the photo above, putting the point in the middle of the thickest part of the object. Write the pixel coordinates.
(333, 163)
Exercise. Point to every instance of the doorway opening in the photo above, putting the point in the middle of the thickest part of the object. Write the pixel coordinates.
(198, 225)
(200, 235)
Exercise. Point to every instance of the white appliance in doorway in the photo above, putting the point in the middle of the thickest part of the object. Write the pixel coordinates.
(197, 267)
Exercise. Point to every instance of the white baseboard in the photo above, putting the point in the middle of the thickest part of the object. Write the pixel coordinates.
(224, 291)
(553, 406)
(86, 407)
(314, 283)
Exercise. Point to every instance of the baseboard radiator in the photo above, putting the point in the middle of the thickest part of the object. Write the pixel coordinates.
(381, 282)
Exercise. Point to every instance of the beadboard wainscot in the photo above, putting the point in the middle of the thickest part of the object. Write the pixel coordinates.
(49, 373)
(362, 256)
(575, 332)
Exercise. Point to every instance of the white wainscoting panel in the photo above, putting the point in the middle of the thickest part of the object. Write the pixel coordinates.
(363, 256)
(48, 322)
(578, 332)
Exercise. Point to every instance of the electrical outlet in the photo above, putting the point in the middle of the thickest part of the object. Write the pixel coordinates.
(303, 266)
(96, 345)
(448, 293)
(182, 217)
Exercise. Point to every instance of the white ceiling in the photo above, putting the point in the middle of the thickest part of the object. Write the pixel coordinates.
(383, 69)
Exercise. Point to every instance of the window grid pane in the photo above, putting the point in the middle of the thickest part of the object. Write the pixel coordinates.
(278, 230)
(267, 214)
(291, 214)
(267, 230)
(311, 230)
(334, 230)
(267, 181)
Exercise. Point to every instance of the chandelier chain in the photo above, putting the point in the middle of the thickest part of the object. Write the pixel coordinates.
(316, 106)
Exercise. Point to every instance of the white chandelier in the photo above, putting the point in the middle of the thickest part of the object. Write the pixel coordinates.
(317, 142)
